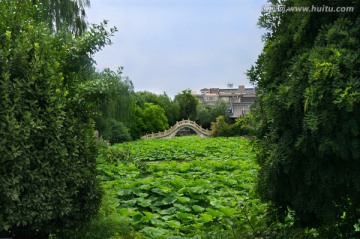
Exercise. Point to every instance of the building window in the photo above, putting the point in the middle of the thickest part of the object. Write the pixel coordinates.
(210, 98)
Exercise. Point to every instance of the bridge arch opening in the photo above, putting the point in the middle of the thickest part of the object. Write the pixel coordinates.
(185, 131)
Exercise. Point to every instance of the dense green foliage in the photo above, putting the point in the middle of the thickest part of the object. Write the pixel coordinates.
(142, 112)
(184, 106)
(154, 118)
(107, 224)
(171, 108)
(117, 132)
(206, 114)
(114, 101)
(221, 128)
(308, 117)
(69, 14)
(184, 188)
(152, 113)
(48, 172)
(187, 103)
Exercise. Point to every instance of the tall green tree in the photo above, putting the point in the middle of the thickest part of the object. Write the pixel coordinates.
(47, 152)
(171, 107)
(153, 118)
(206, 114)
(65, 14)
(307, 116)
(138, 127)
(203, 116)
(187, 104)
(143, 97)
(114, 97)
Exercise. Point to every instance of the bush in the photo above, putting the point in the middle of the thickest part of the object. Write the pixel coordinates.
(220, 128)
(47, 150)
(108, 224)
(240, 127)
(116, 132)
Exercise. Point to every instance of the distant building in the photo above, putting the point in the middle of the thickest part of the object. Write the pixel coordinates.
(239, 99)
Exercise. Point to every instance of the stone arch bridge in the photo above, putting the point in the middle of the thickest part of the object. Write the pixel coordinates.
(171, 133)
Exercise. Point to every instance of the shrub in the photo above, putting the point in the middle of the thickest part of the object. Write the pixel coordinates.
(116, 132)
(47, 150)
(219, 128)
(108, 224)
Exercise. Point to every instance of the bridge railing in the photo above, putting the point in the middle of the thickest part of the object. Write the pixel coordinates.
(175, 127)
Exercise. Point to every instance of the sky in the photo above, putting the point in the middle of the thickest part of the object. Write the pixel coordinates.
(173, 45)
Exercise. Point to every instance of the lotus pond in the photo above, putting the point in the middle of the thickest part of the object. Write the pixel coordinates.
(187, 187)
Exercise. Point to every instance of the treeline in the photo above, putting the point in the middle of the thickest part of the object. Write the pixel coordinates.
(124, 115)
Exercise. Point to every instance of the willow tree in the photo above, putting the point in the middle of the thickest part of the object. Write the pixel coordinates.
(115, 105)
(308, 121)
(69, 14)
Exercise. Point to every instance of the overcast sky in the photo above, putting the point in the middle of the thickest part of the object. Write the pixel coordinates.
(173, 45)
